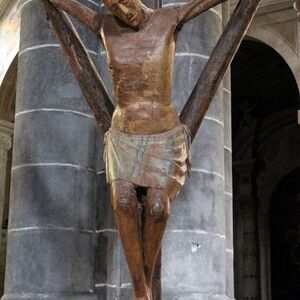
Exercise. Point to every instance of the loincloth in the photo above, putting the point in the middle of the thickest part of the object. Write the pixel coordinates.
(159, 160)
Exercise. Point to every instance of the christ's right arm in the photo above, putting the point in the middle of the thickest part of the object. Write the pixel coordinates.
(85, 15)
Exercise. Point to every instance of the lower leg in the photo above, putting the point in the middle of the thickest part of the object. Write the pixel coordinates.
(126, 214)
(156, 216)
(156, 278)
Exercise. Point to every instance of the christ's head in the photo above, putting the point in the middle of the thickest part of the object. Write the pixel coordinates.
(129, 11)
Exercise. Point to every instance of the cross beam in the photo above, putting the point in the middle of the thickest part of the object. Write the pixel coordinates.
(221, 57)
(82, 66)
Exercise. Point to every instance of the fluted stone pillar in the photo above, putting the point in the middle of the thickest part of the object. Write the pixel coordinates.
(52, 212)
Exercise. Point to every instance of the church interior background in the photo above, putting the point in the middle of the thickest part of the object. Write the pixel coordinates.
(265, 81)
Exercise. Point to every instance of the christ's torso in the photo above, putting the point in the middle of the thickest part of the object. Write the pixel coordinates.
(141, 66)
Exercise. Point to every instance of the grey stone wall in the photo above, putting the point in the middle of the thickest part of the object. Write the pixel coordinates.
(52, 211)
(194, 253)
(228, 192)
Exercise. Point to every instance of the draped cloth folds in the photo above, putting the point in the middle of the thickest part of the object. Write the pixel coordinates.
(157, 160)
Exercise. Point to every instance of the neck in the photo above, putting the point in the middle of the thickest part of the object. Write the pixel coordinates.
(146, 14)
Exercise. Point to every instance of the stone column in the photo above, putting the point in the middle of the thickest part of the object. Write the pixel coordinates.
(52, 211)
(229, 287)
(194, 249)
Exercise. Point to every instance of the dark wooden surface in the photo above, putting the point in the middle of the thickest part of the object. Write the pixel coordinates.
(90, 18)
(82, 66)
(221, 57)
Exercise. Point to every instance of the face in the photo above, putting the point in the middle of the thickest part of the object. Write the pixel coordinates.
(129, 11)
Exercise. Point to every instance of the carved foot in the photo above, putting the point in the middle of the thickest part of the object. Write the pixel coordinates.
(146, 297)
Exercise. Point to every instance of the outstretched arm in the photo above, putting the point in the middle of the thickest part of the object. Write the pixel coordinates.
(85, 15)
(194, 8)
(81, 65)
(210, 78)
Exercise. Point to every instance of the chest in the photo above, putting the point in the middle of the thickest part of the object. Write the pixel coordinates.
(129, 47)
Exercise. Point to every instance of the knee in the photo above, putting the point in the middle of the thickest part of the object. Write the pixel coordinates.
(125, 202)
(123, 196)
(159, 207)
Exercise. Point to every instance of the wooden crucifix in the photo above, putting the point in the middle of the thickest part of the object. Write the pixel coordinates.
(147, 145)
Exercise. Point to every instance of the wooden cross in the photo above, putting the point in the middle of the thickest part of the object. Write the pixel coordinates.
(198, 103)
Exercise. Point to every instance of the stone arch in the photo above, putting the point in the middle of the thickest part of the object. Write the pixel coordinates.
(258, 151)
(242, 146)
(276, 42)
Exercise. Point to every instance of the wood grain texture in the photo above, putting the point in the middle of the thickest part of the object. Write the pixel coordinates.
(81, 65)
(85, 15)
(221, 57)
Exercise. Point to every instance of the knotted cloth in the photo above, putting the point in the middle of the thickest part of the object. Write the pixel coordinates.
(156, 160)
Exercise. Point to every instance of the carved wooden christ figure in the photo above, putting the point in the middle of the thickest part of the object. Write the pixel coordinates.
(147, 144)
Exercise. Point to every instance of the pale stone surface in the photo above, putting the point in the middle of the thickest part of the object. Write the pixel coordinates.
(194, 249)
